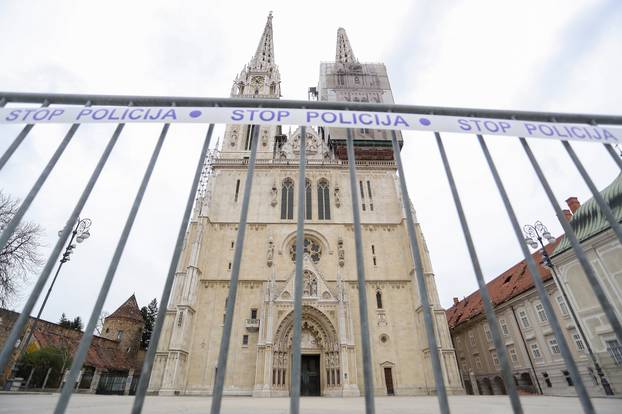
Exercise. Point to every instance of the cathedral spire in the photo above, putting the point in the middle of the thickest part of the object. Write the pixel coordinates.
(344, 52)
(264, 56)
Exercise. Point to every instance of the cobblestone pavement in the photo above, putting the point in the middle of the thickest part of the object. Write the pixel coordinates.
(96, 404)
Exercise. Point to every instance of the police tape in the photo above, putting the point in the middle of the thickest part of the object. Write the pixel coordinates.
(315, 117)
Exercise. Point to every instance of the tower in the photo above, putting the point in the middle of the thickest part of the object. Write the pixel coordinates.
(125, 325)
(260, 352)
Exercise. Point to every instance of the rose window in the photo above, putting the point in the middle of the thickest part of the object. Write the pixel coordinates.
(311, 247)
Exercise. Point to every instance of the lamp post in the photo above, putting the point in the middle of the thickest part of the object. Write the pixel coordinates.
(534, 235)
(79, 234)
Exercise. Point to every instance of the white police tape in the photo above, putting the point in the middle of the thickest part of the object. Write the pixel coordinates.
(318, 117)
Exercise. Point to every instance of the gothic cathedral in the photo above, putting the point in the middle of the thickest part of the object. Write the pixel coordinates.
(260, 351)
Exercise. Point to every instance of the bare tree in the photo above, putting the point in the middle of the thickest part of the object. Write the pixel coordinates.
(21, 254)
(100, 322)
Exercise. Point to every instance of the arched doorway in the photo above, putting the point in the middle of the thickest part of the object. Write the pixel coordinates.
(320, 359)
(500, 386)
(487, 386)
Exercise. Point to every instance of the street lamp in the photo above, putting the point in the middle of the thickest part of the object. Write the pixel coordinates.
(79, 234)
(534, 236)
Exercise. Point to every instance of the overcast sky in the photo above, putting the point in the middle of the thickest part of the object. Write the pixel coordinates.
(531, 55)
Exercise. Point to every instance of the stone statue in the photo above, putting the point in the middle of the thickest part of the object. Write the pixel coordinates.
(270, 253)
(264, 137)
(274, 193)
(340, 252)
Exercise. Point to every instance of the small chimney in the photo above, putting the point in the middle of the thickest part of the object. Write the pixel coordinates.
(573, 204)
(456, 301)
(567, 214)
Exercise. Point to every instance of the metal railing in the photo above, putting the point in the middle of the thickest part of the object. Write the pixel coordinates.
(252, 162)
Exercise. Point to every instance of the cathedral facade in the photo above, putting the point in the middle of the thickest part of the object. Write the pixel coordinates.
(259, 361)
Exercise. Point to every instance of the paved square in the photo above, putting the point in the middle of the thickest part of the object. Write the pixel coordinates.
(100, 404)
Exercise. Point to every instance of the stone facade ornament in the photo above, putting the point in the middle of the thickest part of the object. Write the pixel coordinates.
(340, 252)
(274, 194)
(264, 137)
(337, 195)
(270, 253)
(234, 136)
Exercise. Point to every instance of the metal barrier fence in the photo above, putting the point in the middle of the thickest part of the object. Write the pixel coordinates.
(95, 100)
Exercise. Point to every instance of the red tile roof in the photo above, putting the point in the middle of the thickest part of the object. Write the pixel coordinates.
(103, 353)
(509, 284)
(129, 310)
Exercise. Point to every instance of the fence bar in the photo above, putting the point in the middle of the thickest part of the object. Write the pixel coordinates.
(45, 274)
(17, 218)
(613, 154)
(576, 245)
(441, 392)
(506, 370)
(87, 337)
(145, 374)
(18, 140)
(184, 101)
(294, 399)
(602, 204)
(235, 274)
(544, 299)
(362, 288)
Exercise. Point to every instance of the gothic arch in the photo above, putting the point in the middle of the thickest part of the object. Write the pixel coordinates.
(314, 320)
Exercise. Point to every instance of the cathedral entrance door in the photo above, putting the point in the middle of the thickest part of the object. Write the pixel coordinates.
(310, 375)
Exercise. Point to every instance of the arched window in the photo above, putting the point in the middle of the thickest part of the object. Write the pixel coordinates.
(249, 138)
(379, 299)
(323, 200)
(287, 199)
(308, 203)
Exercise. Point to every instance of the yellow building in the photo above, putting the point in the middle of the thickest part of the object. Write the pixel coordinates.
(260, 351)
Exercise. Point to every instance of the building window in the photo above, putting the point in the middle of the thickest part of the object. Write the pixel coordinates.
(535, 351)
(547, 379)
(323, 200)
(229, 266)
(504, 327)
(249, 138)
(119, 335)
(513, 355)
(471, 338)
(478, 363)
(237, 191)
(253, 313)
(287, 199)
(308, 201)
(578, 341)
(522, 314)
(244, 340)
(495, 359)
(554, 346)
(615, 351)
(180, 319)
(562, 305)
(373, 254)
(568, 379)
(310, 246)
(362, 195)
(379, 299)
(541, 313)
(487, 332)
(232, 244)
(371, 201)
